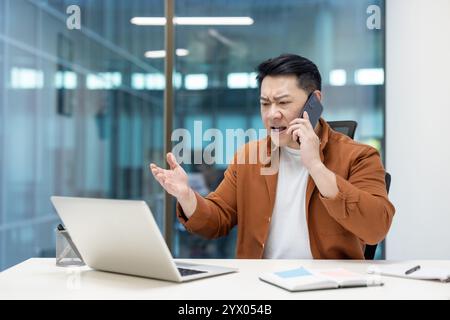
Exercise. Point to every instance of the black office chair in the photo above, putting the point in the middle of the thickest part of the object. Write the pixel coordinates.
(348, 128)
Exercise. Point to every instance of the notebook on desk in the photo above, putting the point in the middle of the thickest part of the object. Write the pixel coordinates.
(303, 279)
(411, 271)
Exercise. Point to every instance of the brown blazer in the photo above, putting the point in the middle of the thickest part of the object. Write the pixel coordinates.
(339, 228)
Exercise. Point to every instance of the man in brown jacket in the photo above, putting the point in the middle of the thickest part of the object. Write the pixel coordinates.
(326, 198)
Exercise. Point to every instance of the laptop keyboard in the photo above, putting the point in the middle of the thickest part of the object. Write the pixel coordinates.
(189, 272)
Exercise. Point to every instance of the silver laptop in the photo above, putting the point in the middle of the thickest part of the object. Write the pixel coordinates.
(122, 236)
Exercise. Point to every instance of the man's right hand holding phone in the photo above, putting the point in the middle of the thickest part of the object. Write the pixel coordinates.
(301, 129)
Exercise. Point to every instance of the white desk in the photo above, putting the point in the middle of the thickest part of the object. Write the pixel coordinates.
(41, 279)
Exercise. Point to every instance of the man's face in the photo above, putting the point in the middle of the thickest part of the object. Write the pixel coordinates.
(281, 102)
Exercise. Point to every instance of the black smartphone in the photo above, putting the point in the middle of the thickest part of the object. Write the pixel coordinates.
(314, 109)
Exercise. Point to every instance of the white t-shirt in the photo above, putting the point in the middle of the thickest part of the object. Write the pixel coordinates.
(288, 234)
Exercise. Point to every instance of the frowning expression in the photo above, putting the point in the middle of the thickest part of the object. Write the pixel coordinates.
(281, 101)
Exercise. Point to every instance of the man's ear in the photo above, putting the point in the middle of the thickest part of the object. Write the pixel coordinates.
(318, 94)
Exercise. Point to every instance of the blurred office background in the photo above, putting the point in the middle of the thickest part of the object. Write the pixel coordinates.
(81, 111)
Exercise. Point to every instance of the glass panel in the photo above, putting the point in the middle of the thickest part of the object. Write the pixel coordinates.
(81, 111)
(223, 58)
(73, 122)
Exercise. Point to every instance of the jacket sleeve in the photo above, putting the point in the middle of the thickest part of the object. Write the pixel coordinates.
(216, 214)
(362, 205)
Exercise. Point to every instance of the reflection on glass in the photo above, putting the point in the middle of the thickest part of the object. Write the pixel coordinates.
(73, 120)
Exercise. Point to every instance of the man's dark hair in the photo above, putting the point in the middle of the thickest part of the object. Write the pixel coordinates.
(305, 70)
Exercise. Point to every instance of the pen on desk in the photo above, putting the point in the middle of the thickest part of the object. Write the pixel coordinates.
(413, 269)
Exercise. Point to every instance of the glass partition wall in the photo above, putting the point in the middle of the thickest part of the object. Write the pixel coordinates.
(81, 111)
